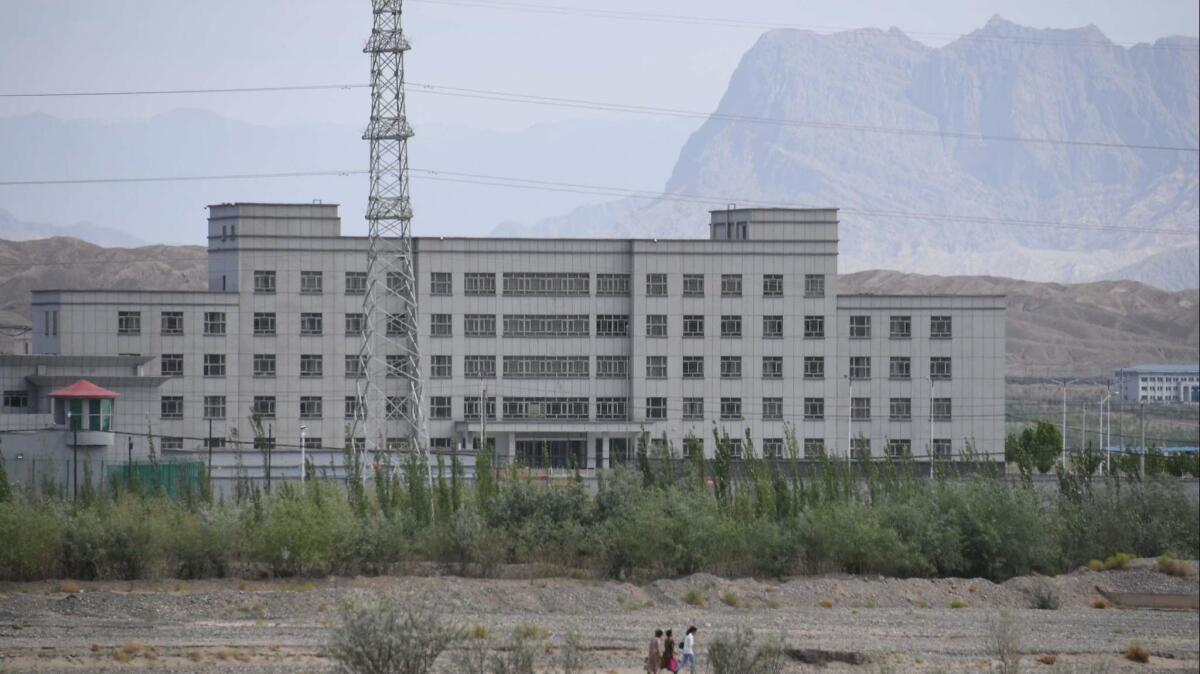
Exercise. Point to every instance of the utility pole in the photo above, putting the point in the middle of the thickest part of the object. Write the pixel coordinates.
(1083, 427)
(849, 424)
(482, 414)
(74, 455)
(1142, 413)
(267, 449)
(1064, 383)
(1103, 440)
(303, 446)
(129, 466)
(932, 381)
(210, 448)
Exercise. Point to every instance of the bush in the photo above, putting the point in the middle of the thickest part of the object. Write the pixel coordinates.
(517, 657)
(1174, 567)
(1118, 561)
(693, 597)
(958, 603)
(379, 636)
(741, 653)
(1137, 653)
(1004, 644)
(1044, 598)
(571, 655)
(730, 599)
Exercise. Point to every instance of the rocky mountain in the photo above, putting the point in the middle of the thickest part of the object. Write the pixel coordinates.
(1081, 329)
(1172, 269)
(924, 201)
(13, 229)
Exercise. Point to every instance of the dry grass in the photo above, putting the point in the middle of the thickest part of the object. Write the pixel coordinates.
(530, 632)
(128, 652)
(693, 597)
(1174, 567)
(730, 599)
(959, 603)
(1096, 565)
(1118, 561)
(479, 632)
(1100, 602)
(196, 656)
(826, 603)
(225, 654)
(1048, 659)
(68, 586)
(1137, 653)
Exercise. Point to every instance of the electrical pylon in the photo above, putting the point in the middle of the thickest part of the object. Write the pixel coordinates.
(389, 390)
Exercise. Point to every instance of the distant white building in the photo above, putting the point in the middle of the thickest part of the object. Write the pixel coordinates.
(1159, 383)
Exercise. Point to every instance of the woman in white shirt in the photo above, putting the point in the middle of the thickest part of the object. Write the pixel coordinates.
(689, 650)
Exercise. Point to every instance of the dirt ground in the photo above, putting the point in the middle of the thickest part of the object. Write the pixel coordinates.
(893, 625)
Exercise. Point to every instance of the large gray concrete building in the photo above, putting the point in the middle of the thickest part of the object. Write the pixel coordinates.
(1168, 383)
(581, 344)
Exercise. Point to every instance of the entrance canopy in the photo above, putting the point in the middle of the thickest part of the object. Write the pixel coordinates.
(84, 390)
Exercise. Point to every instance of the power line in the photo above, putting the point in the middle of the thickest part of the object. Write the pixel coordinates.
(607, 106)
(598, 190)
(769, 25)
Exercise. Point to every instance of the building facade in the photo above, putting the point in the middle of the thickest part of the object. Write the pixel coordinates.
(1159, 383)
(576, 346)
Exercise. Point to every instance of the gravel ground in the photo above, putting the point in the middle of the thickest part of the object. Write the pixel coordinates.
(897, 625)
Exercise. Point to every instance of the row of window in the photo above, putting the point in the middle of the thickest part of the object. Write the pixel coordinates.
(537, 325)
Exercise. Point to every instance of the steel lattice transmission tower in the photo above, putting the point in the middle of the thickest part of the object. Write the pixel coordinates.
(390, 388)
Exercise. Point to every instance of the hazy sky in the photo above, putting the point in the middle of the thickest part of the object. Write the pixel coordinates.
(121, 44)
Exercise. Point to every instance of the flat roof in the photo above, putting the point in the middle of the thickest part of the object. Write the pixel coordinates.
(1166, 368)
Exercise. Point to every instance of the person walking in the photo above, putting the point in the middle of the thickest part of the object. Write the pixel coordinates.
(669, 662)
(654, 653)
(688, 658)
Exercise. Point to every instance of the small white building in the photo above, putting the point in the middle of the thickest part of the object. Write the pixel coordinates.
(1171, 383)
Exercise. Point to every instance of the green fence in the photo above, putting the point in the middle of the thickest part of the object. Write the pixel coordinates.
(173, 479)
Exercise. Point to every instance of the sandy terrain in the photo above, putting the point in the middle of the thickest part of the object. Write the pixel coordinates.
(895, 625)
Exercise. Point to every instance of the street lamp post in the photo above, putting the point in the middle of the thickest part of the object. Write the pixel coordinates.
(1103, 440)
(849, 423)
(74, 455)
(303, 446)
(1064, 383)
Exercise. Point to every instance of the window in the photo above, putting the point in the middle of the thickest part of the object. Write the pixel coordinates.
(17, 399)
(471, 408)
(310, 324)
(814, 327)
(731, 408)
(356, 324)
(860, 367)
(397, 365)
(440, 325)
(814, 448)
(941, 409)
(609, 325)
(214, 365)
(480, 367)
(264, 323)
(693, 326)
(475, 325)
(311, 365)
(439, 407)
(814, 367)
(264, 282)
(860, 447)
(731, 285)
(612, 285)
(772, 367)
(312, 282)
(441, 283)
(168, 443)
(171, 364)
(656, 408)
(536, 325)
(860, 409)
(693, 446)
(693, 409)
(561, 284)
(546, 367)
(693, 367)
(940, 327)
(50, 326)
(772, 285)
(396, 283)
(214, 407)
(612, 409)
(656, 285)
(900, 409)
(356, 283)
(772, 327)
(772, 409)
(941, 448)
(612, 367)
(310, 408)
(129, 322)
(441, 367)
(214, 443)
(546, 408)
(354, 409)
(264, 365)
(735, 447)
(214, 323)
(899, 367)
(172, 322)
(814, 409)
(898, 449)
(860, 327)
(939, 367)
(900, 327)
(656, 325)
(312, 443)
(354, 366)
(731, 367)
(264, 406)
(731, 326)
(395, 324)
(656, 367)
(171, 407)
(475, 283)
(693, 285)
(773, 448)
(814, 285)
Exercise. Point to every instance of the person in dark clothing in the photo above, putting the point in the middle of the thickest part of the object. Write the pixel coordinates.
(669, 662)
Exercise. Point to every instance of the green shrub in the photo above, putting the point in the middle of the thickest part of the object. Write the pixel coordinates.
(1118, 561)
(379, 636)
(693, 597)
(741, 653)
(1044, 598)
